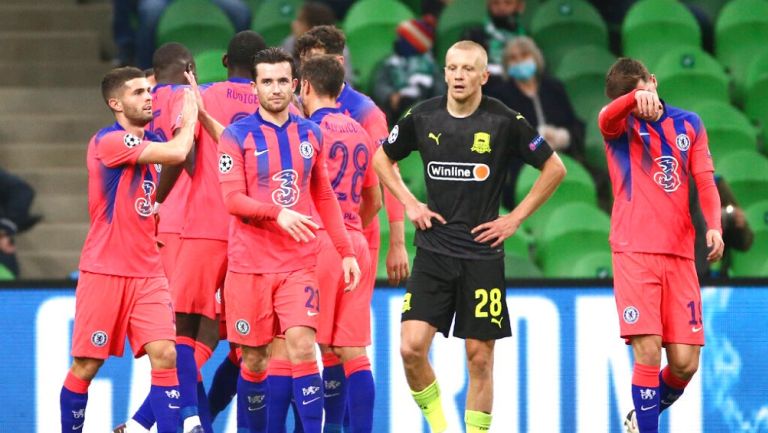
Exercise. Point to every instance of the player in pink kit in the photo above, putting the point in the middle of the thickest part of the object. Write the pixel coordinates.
(654, 153)
(272, 170)
(170, 61)
(322, 40)
(122, 289)
(345, 318)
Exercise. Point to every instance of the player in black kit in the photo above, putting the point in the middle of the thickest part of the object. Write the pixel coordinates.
(466, 141)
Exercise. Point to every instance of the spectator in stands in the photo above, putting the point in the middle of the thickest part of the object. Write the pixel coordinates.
(313, 14)
(501, 25)
(540, 98)
(410, 74)
(16, 197)
(737, 234)
(135, 46)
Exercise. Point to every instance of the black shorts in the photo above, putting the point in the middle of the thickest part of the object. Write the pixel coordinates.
(473, 290)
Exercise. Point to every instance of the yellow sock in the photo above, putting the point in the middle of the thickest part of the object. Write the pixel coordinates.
(429, 402)
(477, 422)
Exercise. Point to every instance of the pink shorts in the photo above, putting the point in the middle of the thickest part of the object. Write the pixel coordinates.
(108, 307)
(200, 269)
(658, 294)
(171, 242)
(345, 317)
(260, 306)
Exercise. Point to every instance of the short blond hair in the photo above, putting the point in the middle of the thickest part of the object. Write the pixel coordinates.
(470, 46)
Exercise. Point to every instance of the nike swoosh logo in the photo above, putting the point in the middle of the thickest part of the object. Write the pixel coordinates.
(260, 152)
(170, 406)
(77, 427)
(310, 401)
(332, 395)
(312, 313)
(254, 409)
(643, 408)
(645, 133)
(696, 329)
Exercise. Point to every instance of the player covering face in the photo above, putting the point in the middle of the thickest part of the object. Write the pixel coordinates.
(465, 141)
(654, 152)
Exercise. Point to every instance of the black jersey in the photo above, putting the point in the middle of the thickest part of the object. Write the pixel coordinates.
(465, 164)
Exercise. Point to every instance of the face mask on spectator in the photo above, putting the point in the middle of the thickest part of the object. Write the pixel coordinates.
(522, 71)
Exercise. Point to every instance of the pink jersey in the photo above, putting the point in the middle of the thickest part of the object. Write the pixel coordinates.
(361, 108)
(206, 217)
(121, 240)
(348, 150)
(652, 165)
(167, 100)
(274, 164)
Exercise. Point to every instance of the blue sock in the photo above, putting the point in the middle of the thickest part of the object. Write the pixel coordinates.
(362, 393)
(670, 388)
(242, 414)
(73, 399)
(253, 389)
(204, 409)
(187, 367)
(144, 414)
(646, 398)
(297, 427)
(224, 386)
(347, 427)
(335, 394)
(165, 399)
(308, 394)
(280, 385)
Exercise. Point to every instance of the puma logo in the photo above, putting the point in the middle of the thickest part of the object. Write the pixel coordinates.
(435, 137)
(497, 321)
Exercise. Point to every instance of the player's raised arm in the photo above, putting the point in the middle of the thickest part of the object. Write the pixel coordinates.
(211, 125)
(175, 150)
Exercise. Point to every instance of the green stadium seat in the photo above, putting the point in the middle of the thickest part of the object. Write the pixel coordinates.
(272, 20)
(741, 31)
(457, 17)
(370, 27)
(520, 268)
(254, 5)
(558, 26)
(594, 264)
(728, 129)
(5, 274)
(572, 231)
(531, 6)
(689, 76)
(651, 27)
(578, 186)
(209, 67)
(582, 70)
(753, 263)
(710, 7)
(747, 174)
(594, 145)
(756, 98)
(198, 24)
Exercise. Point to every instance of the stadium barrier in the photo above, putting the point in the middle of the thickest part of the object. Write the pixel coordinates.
(564, 370)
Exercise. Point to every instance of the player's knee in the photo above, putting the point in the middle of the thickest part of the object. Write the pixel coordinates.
(163, 356)
(86, 368)
(412, 353)
(302, 349)
(684, 369)
(255, 362)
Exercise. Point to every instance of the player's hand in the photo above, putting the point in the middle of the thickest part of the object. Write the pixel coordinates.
(351, 273)
(299, 226)
(421, 216)
(195, 91)
(189, 110)
(715, 244)
(648, 104)
(397, 264)
(497, 230)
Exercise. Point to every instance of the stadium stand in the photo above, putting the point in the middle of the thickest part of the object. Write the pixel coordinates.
(197, 24)
(582, 71)
(370, 28)
(209, 67)
(272, 19)
(50, 67)
(457, 17)
(754, 263)
(559, 26)
(652, 27)
(747, 175)
(728, 129)
(687, 76)
(756, 98)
